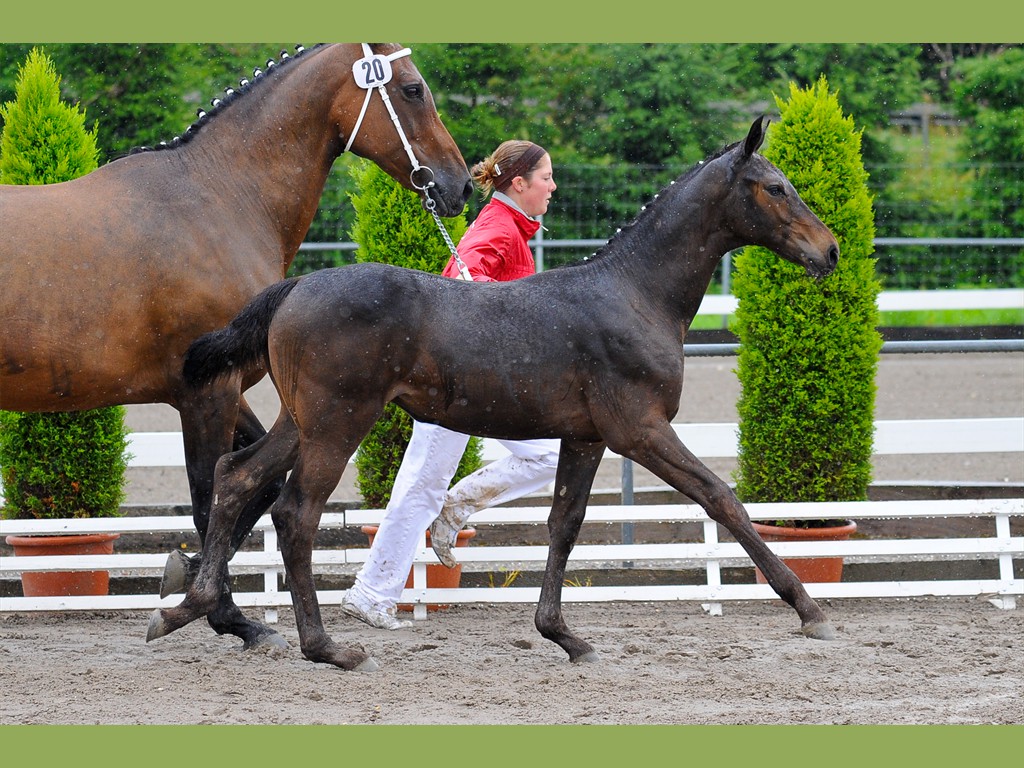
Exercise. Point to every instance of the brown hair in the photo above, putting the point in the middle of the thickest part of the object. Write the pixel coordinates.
(512, 158)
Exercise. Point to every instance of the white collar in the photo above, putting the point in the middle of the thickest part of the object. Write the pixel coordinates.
(496, 195)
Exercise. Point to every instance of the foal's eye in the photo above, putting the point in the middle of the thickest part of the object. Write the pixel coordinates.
(776, 190)
(414, 91)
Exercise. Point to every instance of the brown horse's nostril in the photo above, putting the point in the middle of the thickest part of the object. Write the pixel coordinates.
(467, 190)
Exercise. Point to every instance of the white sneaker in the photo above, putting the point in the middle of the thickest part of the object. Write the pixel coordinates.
(375, 617)
(444, 532)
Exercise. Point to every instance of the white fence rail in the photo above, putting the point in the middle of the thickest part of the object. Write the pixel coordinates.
(719, 440)
(901, 301)
(709, 555)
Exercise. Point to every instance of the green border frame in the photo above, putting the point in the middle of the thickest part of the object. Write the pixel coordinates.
(507, 746)
(526, 21)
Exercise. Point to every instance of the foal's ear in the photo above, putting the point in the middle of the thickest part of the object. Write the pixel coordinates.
(755, 137)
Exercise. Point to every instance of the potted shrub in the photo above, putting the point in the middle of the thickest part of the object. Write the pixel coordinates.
(391, 227)
(809, 349)
(56, 465)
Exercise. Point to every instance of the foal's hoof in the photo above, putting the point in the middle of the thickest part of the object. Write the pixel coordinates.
(586, 658)
(175, 574)
(820, 630)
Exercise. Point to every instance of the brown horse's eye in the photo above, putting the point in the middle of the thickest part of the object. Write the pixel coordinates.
(414, 91)
(776, 190)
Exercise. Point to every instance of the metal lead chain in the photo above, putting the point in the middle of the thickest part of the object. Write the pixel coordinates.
(432, 207)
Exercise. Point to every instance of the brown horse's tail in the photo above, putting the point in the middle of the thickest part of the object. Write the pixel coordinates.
(241, 344)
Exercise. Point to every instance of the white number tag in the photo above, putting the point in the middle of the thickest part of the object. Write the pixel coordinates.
(372, 71)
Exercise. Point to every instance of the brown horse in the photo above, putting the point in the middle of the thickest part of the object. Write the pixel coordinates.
(108, 278)
(591, 354)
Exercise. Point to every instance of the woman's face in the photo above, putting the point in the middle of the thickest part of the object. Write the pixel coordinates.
(532, 193)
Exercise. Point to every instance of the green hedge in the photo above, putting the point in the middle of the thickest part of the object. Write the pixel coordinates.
(809, 349)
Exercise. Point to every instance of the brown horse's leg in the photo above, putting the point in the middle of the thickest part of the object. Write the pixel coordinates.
(206, 425)
(659, 450)
(296, 516)
(239, 476)
(577, 466)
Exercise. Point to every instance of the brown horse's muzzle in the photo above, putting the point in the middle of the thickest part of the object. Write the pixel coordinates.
(450, 197)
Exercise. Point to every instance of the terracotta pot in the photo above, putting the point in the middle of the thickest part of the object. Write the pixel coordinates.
(64, 583)
(808, 569)
(438, 576)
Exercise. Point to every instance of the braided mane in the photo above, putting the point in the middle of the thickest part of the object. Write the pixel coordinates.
(645, 210)
(231, 95)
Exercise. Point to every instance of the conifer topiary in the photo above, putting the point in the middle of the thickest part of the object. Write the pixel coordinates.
(55, 465)
(809, 348)
(391, 227)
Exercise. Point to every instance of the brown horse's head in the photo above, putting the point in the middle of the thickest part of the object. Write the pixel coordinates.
(377, 135)
(773, 215)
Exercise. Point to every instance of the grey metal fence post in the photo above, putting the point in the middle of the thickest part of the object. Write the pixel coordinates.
(538, 240)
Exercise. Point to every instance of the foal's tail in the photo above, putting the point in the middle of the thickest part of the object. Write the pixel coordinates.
(242, 344)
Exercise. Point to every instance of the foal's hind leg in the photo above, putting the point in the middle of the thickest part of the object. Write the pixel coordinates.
(239, 477)
(577, 466)
(662, 453)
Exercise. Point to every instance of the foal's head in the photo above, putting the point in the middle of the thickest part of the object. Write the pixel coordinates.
(764, 209)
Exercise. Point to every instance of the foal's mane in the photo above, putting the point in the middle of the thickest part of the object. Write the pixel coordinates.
(646, 210)
(231, 95)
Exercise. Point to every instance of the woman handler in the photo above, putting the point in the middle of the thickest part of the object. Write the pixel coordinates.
(494, 248)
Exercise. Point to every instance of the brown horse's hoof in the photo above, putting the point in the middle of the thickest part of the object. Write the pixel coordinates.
(369, 665)
(157, 626)
(175, 574)
(821, 630)
(586, 658)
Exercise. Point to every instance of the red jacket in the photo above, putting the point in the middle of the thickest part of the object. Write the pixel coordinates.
(495, 245)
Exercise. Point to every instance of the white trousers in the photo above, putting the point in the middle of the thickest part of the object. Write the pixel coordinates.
(420, 489)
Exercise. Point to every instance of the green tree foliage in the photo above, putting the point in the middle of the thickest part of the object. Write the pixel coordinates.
(481, 91)
(647, 104)
(989, 92)
(132, 90)
(876, 79)
(55, 464)
(43, 141)
(142, 94)
(940, 60)
(809, 349)
(391, 227)
(12, 56)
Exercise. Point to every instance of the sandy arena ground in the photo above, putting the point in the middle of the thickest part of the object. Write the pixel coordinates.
(909, 662)
(926, 661)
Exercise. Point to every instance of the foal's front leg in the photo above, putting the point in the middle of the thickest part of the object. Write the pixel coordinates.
(577, 466)
(662, 453)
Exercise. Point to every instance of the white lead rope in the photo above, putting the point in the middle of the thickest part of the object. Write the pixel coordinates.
(373, 72)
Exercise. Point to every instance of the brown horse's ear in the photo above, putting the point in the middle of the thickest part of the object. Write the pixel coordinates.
(755, 137)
